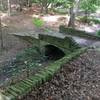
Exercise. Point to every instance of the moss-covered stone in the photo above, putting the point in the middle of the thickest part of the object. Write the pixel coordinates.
(66, 44)
(25, 86)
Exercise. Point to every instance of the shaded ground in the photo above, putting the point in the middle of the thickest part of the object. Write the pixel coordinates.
(21, 22)
(78, 80)
(12, 46)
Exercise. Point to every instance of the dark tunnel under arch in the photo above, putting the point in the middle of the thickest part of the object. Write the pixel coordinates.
(53, 53)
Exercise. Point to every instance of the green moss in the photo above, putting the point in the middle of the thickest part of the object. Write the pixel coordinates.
(67, 44)
(41, 77)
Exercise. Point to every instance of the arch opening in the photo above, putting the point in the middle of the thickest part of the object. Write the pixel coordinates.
(53, 52)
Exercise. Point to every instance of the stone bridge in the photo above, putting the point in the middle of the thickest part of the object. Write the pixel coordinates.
(63, 40)
(50, 41)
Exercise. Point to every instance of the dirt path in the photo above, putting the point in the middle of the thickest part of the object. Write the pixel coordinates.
(78, 80)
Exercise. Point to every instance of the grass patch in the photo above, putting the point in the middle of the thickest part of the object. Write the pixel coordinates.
(38, 22)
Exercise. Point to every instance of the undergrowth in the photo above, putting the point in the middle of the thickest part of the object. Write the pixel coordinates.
(89, 20)
(98, 33)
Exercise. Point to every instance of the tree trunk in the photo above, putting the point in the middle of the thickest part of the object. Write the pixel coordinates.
(41, 9)
(1, 36)
(46, 9)
(21, 5)
(73, 12)
(44, 6)
(9, 8)
(29, 3)
(86, 16)
(72, 18)
(1, 4)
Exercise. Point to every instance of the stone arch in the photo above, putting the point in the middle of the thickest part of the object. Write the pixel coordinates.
(53, 53)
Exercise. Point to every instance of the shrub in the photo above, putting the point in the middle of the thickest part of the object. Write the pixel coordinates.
(96, 21)
(98, 33)
(83, 19)
(33, 54)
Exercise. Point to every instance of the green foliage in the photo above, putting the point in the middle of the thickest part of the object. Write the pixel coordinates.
(30, 55)
(64, 3)
(98, 33)
(38, 22)
(34, 1)
(30, 59)
(96, 21)
(83, 19)
(89, 5)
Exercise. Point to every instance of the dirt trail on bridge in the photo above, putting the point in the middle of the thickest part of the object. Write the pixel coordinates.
(78, 80)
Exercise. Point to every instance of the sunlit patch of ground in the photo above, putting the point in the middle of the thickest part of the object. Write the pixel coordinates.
(54, 18)
(89, 28)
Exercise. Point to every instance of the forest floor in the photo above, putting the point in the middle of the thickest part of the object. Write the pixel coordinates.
(12, 46)
(77, 80)
(22, 22)
(17, 24)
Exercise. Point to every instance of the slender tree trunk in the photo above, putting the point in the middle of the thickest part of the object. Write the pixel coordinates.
(29, 3)
(72, 18)
(86, 16)
(9, 8)
(44, 6)
(20, 3)
(46, 9)
(73, 12)
(1, 36)
(41, 9)
(1, 4)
